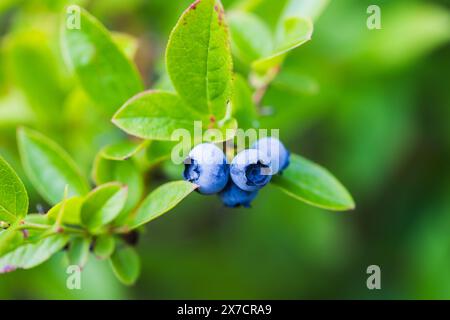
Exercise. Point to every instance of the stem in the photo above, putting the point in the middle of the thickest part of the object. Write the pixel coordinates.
(74, 230)
(259, 95)
(34, 226)
(121, 230)
(57, 229)
(261, 84)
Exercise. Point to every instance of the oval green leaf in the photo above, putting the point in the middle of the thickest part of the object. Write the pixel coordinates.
(103, 204)
(33, 65)
(125, 172)
(30, 255)
(37, 218)
(13, 196)
(122, 150)
(251, 38)
(49, 167)
(78, 253)
(198, 58)
(293, 30)
(161, 200)
(156, 115)
(310, 183)
(104, 71)
(104, 246)
(126, 265)
(10, 239)
(158, 151)
(71, 211)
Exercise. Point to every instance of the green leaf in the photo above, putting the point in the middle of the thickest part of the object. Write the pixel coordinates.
(161, 200)
(244, 109)
(49, 167)
(264, 65)
(78, 253)
(125, 172)
(156, 115)
(294, 28)
(198, 58)
(126, 265)
(10, 239)
(159, 151)
(294, 31)
(104, 71)
(71, 211)
(13, 196)
(251, 38)
(32, 254)
(34, 69)
(103, 204)
(226, 130)
(122, 150)
(104, 246)
(308, 182)
(37, 218)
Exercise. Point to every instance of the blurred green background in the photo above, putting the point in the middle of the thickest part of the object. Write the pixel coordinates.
(373, 106)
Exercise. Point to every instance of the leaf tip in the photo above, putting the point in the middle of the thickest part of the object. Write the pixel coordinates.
(194, 5)
(352, 204)
(195, 186)
(348, 203)
(8, 268)
(115, 118)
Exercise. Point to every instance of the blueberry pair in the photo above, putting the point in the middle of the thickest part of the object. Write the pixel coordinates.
(249, 171)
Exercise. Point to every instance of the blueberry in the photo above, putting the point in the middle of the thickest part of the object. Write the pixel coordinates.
(233, 196)
(276, 151)
(207, 167)
(250, 170)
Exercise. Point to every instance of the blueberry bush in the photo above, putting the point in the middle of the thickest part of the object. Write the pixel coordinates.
(218, 67)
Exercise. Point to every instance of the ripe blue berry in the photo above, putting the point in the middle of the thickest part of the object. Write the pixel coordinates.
(250, 170)
(276, 151)
(207, 167)
(233, 196)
